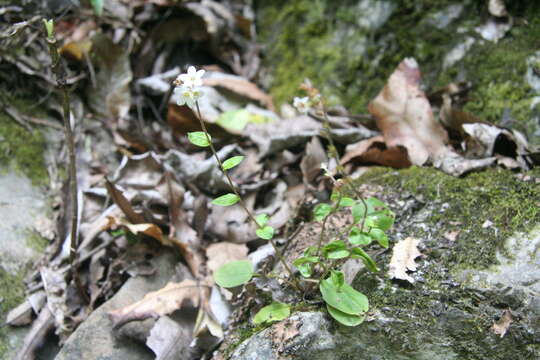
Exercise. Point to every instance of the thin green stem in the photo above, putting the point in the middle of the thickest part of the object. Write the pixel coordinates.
(241, 201)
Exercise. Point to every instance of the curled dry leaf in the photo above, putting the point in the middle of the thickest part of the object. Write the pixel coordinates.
(404, 115)
(375, 151)
(146, 229)
(161, 302)
(500, 327)
(402, 260)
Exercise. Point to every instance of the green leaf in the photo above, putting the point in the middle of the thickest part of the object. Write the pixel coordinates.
(358, 253)
(346, 201)
(234, 273)
(380, 219)
(357, 237)
(380, 236)
(375, 204)
(98, 6)
(234, 120)
(226, 200)
(344, 298)
(262, 219)
(49, 27)
(321, 211)
(358, 211)
(198, 138)
(276, 311)
(344, 318)
(265, 233)
(335, 250)
(305, 264)
(232, 162)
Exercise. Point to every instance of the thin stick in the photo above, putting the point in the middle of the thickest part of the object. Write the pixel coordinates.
(61, 82)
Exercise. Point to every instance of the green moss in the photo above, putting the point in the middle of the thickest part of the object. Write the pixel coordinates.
(21, 149)
(322, 41)
(496, 195)
(430, 308)
(35, 241)
(497, 72)
(12, 293)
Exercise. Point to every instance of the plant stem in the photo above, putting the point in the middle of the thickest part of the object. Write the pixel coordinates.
(339, 168)
(241, 201)
(60, 73)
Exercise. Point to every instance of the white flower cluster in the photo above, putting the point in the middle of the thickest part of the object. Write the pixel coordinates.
(188, 87)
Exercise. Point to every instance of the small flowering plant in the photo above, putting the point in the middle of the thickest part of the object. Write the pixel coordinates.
(319, 264)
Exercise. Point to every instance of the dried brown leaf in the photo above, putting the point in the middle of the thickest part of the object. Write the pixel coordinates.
(161, 302)
(375, 151)
(403, 257)
(123, 203)
(404, 115)
(239, 86)
(284, 331)
(500, 327)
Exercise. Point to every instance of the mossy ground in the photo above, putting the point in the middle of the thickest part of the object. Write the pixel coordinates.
(11, 293)
(320, 40)
(21, 149)
(432, 306)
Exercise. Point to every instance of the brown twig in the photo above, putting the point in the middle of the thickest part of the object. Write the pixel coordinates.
(61, 83)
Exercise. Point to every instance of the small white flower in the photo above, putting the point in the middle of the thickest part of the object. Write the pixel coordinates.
(193, 77)
(301, 104)
(187, 95)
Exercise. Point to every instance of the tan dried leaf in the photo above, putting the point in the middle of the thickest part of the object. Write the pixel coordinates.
(500, 327)
(161, 302)
(402, 260)
(224, 252)
(404, 115)
(239, 86)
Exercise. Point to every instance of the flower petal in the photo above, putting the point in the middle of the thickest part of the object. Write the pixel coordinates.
(200, 73)
(191, 70)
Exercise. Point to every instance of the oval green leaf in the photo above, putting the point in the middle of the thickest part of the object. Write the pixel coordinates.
(276, 311)
(262, 219)
(335, 250)
(232, 162)
(346, 201)
(265, 233)
(234, 273)
(344, 298)
(226, 200)
(358, 253)
(199, 138)
(380, 236)
(344, 318)
(321, 211)
(359, 238)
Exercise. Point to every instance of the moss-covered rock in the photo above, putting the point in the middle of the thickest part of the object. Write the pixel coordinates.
(479, 239)
(21, 149)
(349, 48)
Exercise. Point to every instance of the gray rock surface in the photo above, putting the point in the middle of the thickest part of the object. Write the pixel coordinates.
(21, 205)
(94, 338)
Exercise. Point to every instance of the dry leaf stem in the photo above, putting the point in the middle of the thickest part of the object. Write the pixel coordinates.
(241, 201)
(60, 74)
